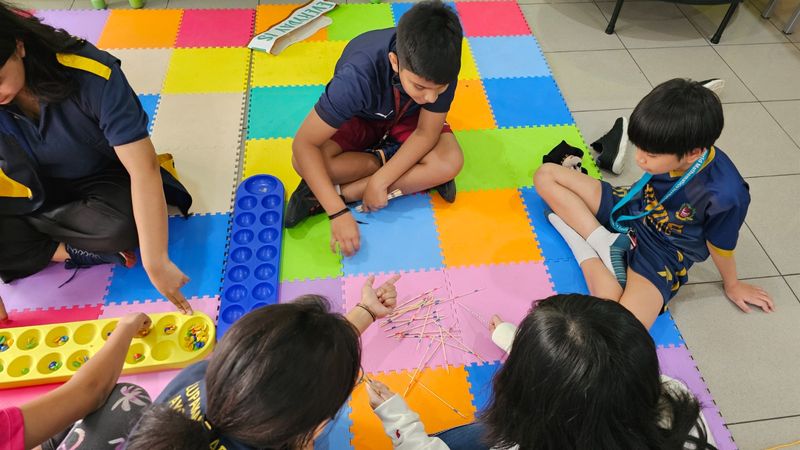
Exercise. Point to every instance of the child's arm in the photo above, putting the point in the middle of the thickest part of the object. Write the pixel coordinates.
(739, 292)
(307, 154)
(378, 303)
(400, 423)
(87, 390)
(150, 213)
(419, 143)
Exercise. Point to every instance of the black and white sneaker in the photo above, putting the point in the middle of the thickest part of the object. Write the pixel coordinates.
(714, 84)
(612, 147)
(565, 155)
(302, 204)
(447, 191)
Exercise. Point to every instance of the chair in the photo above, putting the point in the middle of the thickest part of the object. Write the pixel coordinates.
(792, 20)
(717, 35)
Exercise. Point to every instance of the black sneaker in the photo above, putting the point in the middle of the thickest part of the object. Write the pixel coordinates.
(302, 204)
(447, 191)
(565, 155)
(714, 84)
(612, 147)
(81, 259)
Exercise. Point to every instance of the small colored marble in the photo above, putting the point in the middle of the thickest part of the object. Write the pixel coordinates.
(31, 344)
(54, 365)
(61, 340)
(138, 357)
(169, 329)
(25, 371)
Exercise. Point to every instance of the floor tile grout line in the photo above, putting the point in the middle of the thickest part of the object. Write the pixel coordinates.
(761, 277)
(755, 177)
(796, 293)
(796, 141)
(763, 420)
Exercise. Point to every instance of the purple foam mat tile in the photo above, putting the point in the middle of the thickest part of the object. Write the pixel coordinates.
(678, 363)
(331, 288)
(87, 24)
(42, 291)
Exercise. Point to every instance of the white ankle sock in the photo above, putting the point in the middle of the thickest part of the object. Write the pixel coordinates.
(338, 188)
(601, 240)
(580, 248)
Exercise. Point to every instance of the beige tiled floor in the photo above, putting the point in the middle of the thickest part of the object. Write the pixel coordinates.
(749, 361)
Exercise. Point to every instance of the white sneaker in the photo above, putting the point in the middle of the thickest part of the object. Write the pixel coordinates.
(714, 84)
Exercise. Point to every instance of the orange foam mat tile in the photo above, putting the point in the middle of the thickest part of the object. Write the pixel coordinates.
(451, 386)
(470, 109)
(141, 28)
(485, 227)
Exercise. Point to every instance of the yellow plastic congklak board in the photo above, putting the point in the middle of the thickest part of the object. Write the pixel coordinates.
(52, 353)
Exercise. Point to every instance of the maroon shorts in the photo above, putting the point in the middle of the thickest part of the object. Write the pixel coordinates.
(359, 134)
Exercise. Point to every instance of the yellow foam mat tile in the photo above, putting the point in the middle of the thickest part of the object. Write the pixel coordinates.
(451, 386)
(145, 68)
(202, 70)
(301, 63)
(273, 157)
(485, 227)
(470, 109)
(469, 70)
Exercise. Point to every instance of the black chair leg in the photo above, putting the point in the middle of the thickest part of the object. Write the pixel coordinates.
(614, 15)
(734, 4)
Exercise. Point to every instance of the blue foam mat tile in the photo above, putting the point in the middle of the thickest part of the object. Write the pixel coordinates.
(567, 277)
(196, 245)
(150, 105)
(400, 8)
(479, 377)
(543, 103)
(400, 237)
(508, 57)
(665, 332)
(337, 435)
(552, 245)
(251, 271)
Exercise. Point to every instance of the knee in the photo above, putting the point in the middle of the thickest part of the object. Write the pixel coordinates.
(451, 161)
(296, 166)
(121, 234)
(544, 175)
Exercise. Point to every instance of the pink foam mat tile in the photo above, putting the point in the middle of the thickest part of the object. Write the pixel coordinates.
(20, 396)
(382, 353)
(330, 288)
(215, 27)
(492, 18)
(207, 305)
(508, 290)
(42, 291)
(27, 318)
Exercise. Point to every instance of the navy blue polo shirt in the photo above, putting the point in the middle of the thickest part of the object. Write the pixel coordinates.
(363, 81)
(75, 138)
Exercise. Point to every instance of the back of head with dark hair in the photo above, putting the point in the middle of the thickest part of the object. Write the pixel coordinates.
(429, 39)
(44, 76)
(678, 116)
(279, 372)
(583, 373)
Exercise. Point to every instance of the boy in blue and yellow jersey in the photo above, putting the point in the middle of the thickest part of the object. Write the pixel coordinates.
(635, 245)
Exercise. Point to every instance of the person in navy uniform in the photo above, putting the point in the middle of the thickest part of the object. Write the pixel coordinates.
(80, 181)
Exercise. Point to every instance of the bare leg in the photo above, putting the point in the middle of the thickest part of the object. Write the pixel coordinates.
(642, 298)
(344, 167)
(439, 166)
(573, 196)
(601, 282)
(61, 254)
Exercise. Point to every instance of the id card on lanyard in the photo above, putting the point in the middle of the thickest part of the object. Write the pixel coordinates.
(639, 185)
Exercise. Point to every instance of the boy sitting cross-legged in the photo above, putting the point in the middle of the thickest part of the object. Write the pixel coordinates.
(380, 124)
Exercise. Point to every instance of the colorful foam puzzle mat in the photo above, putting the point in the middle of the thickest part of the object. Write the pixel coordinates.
(251, 273)
(51, 353)
(228, 114)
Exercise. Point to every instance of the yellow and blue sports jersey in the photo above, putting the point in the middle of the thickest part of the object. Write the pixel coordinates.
(186, 393)
(710, 208)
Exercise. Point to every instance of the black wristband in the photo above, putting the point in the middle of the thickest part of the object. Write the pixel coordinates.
(342, 212)
(364, 307)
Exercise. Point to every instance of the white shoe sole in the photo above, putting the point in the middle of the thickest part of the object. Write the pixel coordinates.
(619, 162)
(716, 85)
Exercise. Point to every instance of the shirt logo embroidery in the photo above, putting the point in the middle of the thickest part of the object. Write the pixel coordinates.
(685, 213)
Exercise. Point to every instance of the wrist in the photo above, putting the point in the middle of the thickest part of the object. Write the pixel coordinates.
(368, 310)
(154, 262)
